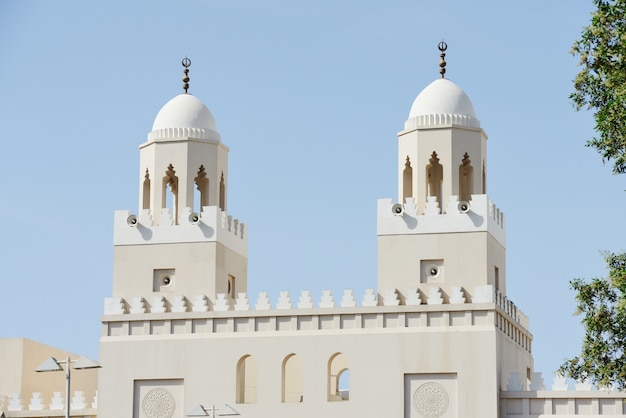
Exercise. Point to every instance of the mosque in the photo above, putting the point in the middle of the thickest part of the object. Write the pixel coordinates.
(437, 338)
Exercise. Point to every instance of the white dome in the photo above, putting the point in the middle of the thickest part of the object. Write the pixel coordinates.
(442, 103)
(184, 111)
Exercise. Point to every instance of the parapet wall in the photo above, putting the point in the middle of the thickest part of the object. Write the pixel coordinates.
(212, 224)
(481, 215)
(34, 405)
(532, 400)
(179, 315)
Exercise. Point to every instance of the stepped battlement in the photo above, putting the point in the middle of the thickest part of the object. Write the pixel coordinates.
(199, 315)
(480, 214)
(212, 224)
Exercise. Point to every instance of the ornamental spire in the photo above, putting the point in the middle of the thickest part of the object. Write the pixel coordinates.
(442, 62)
(186, 62)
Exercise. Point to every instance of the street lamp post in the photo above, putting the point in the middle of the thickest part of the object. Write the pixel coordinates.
(54, 365)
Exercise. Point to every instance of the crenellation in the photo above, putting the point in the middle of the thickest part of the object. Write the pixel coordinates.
(263, 302)
(306, 300)
(242, 303)
(200, 303)
(515, 382)
(536, 381)
(78, 404)
(559, 383)
(114, 306)
(284, 301)
(432, 206)
(36, 403)
(138, 305)
(159, 304)
(583, 385)
(458, 295)
(410, 206)
(78, 400)
(222, 303)
(435, 296)
(348, 300)
(413, 297)
(481, 215)
(211, 224)
(369, 298)
(390, 297)
(56, 402)
(327, 301)
(15, 402)
(179, 304)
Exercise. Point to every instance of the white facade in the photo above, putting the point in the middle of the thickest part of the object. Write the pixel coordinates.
(438, 338)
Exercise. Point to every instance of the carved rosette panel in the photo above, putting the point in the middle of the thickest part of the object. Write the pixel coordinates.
(158, 403)
(430, 400)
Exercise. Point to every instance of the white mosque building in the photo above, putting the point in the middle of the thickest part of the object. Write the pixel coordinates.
(438, 338)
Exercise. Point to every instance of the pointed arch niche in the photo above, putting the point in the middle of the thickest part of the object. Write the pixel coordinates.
(247, 378)
(146, 191)
(222, 193)
(338, 378)
(466, 179)
(202, 187)
(170, 200)
(407, 180)
(484, 191)
(292, 379)
(434, 178)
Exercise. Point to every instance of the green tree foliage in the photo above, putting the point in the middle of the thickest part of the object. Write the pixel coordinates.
(601, 84)
(602, 303)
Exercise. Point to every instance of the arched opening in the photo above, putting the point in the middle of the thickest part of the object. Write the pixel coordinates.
(170, 200)
(232, 291)
(484, 179)
(222, 193)
(146, 191)
(247, 387)
(434, 177)
(338, 378)
(407, 180)
(466, 174)
(202, 186)
(292, 379)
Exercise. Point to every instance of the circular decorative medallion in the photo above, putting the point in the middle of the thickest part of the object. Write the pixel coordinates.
(430, 400)
(158, 403)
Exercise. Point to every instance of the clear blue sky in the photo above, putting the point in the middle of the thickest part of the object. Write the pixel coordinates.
(309, 97)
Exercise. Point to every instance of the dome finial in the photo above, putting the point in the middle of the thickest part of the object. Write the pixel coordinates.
(442, 62)
(186, 62)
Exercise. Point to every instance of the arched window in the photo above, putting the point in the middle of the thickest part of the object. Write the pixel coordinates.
(202, 185)
(247, 387)
(338, 378)
(434, 176)
(146, 191)
(222, 193)
(484, 191)
(466, 180)
(171, 180)
(292, 379)
(407, 180)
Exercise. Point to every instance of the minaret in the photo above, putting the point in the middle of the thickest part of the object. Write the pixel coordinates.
(444, 232)
(181, 241)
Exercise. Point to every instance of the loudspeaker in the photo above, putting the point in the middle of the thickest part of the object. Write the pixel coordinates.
(132, 220)
(463, 206)
(432, 271)
(397, 209)
(193, 218)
